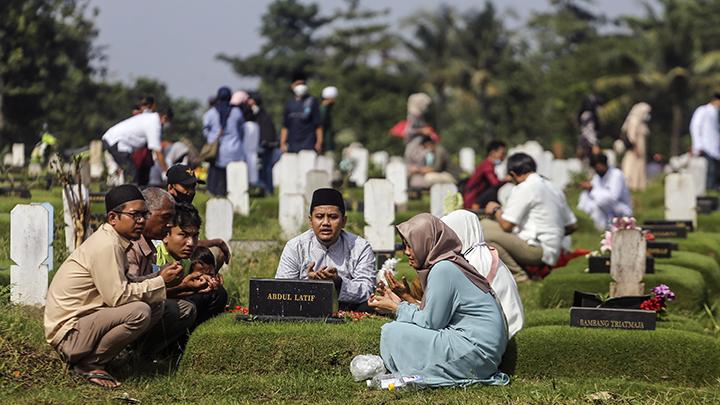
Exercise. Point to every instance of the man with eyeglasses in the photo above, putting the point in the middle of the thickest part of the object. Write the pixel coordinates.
(92, 310)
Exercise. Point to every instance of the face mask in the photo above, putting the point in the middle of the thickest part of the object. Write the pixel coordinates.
(255, 109)
(647, 117)
(496, 162)
(181, 197)
(300, 90)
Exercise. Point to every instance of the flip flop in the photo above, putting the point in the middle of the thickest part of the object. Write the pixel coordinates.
(89, 376)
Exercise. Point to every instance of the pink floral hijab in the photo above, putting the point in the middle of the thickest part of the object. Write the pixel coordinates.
(433, 241)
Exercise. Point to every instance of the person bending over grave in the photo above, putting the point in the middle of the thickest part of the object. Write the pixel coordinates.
(92, 310)
(483, 185)
(327, 252)
(529, 229)
(178, 315)
(428, 163)
(607, 195)
(179, 245)
(457, 335)
(182, 185)
(486, 261)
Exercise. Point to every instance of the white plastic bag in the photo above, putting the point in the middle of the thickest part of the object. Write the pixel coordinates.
(366, 366)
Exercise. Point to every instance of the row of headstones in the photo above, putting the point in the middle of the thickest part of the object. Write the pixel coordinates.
(15, 158)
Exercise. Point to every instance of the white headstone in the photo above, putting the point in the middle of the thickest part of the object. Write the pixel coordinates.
(18, 154)
(697, 168)
(359, 156)
(51, 234)
(315, 179)
(306, 161)
(380, 159)
(8, 160)
(544, 164)
(627, 263)
(438, 192)
(29, 240)
(680, 201)
(326, 164)
(78, 194)
(574, 165)
(560, 173)
(612, 157)
(396, 172)
(237, 187)
(292, 214)
(219, 219)
(34, 169)
(467, 160)
(288, 174)
(96, 159)
(379, 214)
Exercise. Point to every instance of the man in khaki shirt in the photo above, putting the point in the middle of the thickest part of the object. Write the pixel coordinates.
(92, 311)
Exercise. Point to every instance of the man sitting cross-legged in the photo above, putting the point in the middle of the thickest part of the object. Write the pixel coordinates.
(327, 252)
(92, 311)
(529, 229)
(607, 195)
(178, 315)
(209, 297)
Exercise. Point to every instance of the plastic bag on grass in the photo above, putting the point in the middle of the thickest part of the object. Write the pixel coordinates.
(366, 366)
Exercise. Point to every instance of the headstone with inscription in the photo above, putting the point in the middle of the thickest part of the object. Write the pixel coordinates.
(627, 263)
(615, 318)
(219, 219)
(292, 298)
(237, 187)
(29, 241)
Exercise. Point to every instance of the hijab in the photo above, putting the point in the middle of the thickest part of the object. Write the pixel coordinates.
(222, 104)
(638, 113)
(468, 229)
(432, 242)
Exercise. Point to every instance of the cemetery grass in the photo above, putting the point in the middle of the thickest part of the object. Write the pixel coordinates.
(30, 371)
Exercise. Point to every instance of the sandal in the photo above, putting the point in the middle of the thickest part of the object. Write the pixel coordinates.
(98, 375)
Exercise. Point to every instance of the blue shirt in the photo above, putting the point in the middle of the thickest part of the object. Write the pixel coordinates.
(301, 117)
(231, 146)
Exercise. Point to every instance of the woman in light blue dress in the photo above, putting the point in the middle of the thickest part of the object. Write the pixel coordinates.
(457, 335)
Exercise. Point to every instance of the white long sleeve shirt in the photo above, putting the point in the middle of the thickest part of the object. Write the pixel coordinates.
(705, 131)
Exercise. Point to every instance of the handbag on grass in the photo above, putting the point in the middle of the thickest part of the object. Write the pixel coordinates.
(209, 151)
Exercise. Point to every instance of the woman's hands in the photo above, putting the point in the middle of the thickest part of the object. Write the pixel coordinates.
(401, 290)
(385, 303)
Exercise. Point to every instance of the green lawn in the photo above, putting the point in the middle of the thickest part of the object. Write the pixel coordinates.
(230, 362)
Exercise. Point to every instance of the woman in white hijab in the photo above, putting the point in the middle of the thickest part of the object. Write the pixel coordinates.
(485, 260)
(636, 130)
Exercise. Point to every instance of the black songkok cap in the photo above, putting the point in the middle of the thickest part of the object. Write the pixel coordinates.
(120, 195)
(327, 196)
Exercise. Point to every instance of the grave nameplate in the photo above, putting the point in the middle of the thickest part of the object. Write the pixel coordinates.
(601, 264)
(707, 204)
(665, 231)
(661, 249)
(662, 222)
(292, 298)
(632, 319)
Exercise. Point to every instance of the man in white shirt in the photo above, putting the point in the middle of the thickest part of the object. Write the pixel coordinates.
(139, 131)
(607, 195)
(530, 229)
(705, 133)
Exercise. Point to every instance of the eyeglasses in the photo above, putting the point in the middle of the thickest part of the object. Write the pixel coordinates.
(137, 216)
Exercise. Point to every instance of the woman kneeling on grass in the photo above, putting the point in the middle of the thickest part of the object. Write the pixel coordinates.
(457, 335)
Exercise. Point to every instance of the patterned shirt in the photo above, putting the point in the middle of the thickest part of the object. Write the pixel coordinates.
(351, 255)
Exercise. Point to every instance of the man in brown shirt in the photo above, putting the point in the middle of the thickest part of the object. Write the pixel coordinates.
(92, 310)
(178, 315)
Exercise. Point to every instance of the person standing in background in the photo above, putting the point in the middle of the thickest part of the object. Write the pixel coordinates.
(251, 134)
(589, 124)
(636, 130)
(329, 95)
(705, 133)
(268, 150)
(302, 125)
(227, 123)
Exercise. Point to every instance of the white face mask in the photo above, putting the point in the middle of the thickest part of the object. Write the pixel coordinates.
(255, 109)
(300, 90)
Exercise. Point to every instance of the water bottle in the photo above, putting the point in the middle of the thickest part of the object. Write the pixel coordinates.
(392, 382)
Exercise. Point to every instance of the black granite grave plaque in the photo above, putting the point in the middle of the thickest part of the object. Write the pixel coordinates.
(610, 318)
(601, 264)
(661, 250)
(292, 298)
(667, 231)
(707, 204)
(663, 222)
(594, 300)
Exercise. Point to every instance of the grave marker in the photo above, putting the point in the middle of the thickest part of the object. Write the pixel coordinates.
(96, 159)
(8, 160)
(612, 318)
(292, 214)
(379, 214)
(560, 173)
(18, 154)
(237, 187)
(29, 240)
(697, 168)
(438, 192)
(219, 219)
(315, 179)
(627, 263)
(359, 156)
(288, 174)
(306, 162)
(326, 164)
(467, 159)
(680, 198)
(380, 159)
(292, 298)
(51, 234)
(396, 172)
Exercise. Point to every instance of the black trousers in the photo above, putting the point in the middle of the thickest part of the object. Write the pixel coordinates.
(124, 160)
(491, 194)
